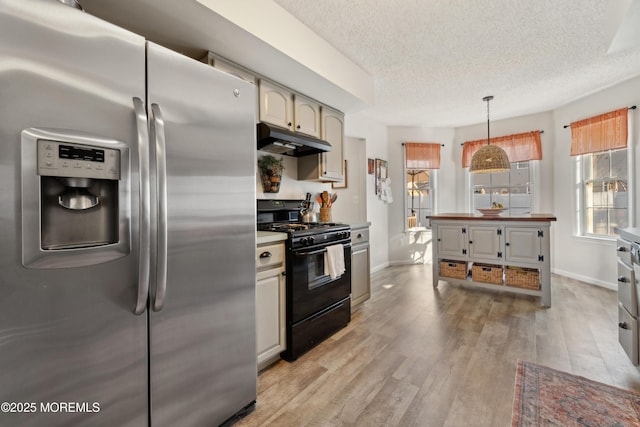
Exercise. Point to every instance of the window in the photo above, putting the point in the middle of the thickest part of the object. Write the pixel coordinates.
(419, 197)
(511, 189)
(420, 166)
(602, 192)
(599, 145)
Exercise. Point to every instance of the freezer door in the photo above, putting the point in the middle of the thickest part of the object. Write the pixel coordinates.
(71, 350)
(203, 351)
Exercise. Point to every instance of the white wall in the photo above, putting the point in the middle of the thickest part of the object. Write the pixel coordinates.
(590, 260)
(375, 135)
(407, 247)
(290, 187)
(351, 206)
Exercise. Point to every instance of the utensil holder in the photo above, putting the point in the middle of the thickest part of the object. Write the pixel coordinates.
(325, 214)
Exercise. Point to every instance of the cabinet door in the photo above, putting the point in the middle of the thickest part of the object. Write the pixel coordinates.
(333, 133)
(360, 288)
(306, 116)
(231, 68)
(522, 244)
(270, 314)
(485, 242)
(276, 105)
(627, 291)
(452, 241)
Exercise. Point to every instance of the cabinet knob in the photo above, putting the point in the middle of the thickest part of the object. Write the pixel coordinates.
(298, 127)
(506, 244)
(621, 249)
(359, 236)
(622, 279)
(266, 254)
(623, 325)
(289, 124)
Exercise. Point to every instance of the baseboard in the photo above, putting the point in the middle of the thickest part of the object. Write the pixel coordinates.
(408, 262)
(379, 267)
(586, 279)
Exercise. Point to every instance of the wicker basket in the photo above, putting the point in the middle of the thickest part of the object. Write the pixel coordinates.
(455, 269)
(519, 277)
(487, 273)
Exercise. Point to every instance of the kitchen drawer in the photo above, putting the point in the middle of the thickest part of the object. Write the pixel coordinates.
(623, 248)
(628, 333)
(627, 291)
(360, 236)
(268, 256)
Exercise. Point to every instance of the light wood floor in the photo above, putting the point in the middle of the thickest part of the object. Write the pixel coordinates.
(415, 356)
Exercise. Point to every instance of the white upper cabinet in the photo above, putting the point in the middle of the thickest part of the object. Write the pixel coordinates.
(229, 67)
(333, 133)
(306, 116)
(276, 105)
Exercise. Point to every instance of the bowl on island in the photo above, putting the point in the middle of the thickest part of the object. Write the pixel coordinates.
(491, 211)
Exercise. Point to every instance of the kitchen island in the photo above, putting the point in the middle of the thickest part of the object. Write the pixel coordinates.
(504, 252)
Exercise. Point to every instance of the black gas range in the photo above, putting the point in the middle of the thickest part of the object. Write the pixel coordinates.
(317, 305)
(309, 234)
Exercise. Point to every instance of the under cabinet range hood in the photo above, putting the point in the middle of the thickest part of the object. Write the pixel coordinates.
(278, 140)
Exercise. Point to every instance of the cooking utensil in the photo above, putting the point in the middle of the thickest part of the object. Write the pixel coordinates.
(307, 201)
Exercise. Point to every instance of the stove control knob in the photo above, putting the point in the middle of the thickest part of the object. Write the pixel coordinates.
(307, 241)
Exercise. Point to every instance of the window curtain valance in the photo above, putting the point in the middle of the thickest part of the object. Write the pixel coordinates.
(422, 155)
(607, 131)
(519, 147)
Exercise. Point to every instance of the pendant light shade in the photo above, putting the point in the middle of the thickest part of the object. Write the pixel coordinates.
(489, 158)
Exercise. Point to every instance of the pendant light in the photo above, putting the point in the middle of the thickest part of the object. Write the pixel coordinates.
(489, 158)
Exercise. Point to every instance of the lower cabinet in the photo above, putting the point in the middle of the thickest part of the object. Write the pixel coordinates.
(270, 304)
(360, 266)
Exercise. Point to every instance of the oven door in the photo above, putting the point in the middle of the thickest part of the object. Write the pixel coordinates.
(311, 290)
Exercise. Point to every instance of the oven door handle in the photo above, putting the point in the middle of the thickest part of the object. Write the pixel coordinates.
(319, 251)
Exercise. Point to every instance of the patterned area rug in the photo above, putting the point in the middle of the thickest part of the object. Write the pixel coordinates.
(546, 397)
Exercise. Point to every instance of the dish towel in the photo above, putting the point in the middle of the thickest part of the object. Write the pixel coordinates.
(386, 195)
(334, 261)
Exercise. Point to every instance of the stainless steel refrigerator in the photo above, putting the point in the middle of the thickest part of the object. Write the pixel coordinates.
(127, 228)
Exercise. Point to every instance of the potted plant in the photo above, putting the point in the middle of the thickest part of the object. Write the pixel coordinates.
(270, 173)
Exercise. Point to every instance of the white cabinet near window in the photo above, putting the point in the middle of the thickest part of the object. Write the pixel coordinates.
(523, 244)
(270, 303)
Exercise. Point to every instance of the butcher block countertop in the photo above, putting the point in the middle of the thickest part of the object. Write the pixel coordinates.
(501, 217)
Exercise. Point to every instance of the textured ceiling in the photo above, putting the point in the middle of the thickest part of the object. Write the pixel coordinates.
(434, 60)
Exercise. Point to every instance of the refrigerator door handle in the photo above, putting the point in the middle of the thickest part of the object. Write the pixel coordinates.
(145, 202)
(161, 168)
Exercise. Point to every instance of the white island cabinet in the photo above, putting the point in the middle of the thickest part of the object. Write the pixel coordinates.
(503, 252)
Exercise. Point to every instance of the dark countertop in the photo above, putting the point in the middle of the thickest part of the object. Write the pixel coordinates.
(501, 217)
